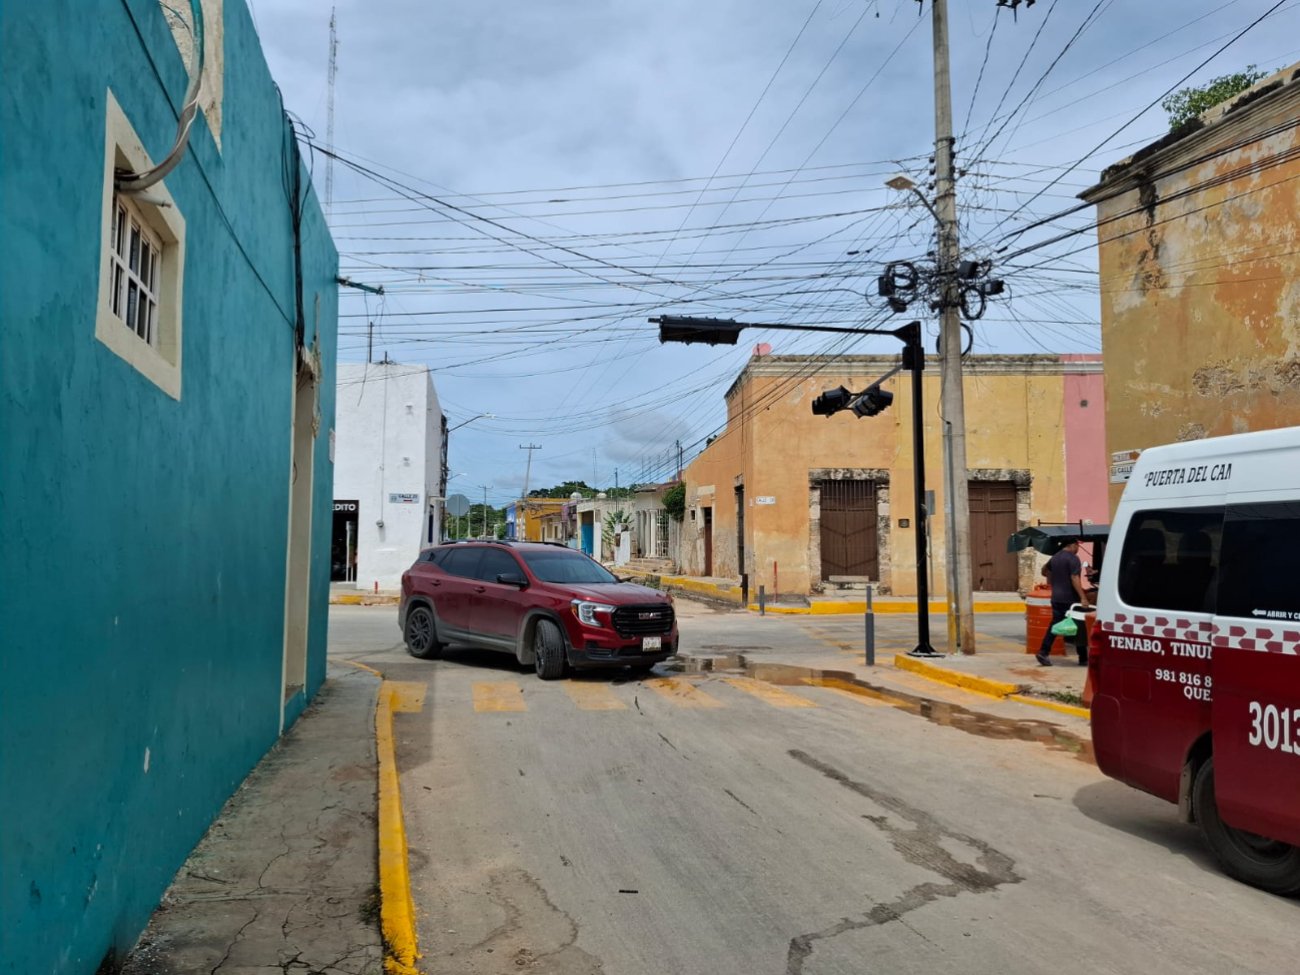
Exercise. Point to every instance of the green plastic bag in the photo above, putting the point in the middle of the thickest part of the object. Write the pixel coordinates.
(1067, 627)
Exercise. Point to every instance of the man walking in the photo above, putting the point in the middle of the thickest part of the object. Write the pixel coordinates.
(1065, 572)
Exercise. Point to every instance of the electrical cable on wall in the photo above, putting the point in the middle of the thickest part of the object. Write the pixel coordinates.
(132, 182)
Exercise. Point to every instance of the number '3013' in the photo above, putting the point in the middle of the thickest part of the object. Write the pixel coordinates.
(1277, 729)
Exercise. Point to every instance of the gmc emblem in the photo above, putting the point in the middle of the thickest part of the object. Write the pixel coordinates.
(647, 616)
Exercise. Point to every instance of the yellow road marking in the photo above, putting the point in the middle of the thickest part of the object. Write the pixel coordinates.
(863, 695)
(593, 696)
(769, 693)
(682, 693)
(500, 695)
(396, 907)
(360, 666)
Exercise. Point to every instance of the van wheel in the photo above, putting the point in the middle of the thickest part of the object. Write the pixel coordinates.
(548, 650)
(421, 634)
(1256, 860)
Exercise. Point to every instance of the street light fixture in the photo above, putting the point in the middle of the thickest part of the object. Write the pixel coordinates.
(869, 402)
(901, 182)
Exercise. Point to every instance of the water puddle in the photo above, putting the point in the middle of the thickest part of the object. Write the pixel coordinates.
(936, 712)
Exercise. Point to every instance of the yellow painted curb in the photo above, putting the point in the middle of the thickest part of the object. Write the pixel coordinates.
(397, 909)
(837, 608)
(364, 599)
(969, 682)
(1039, 702)
(704, 588)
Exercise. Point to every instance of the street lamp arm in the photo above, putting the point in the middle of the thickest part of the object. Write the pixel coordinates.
(481, 416)
(928, 205)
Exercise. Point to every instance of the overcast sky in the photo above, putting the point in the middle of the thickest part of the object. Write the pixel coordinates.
(543, 177)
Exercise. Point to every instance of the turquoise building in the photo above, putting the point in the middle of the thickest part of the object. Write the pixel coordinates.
(167, 358)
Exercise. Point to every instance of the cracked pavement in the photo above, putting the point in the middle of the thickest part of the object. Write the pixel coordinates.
(284, 882)
(609, 825)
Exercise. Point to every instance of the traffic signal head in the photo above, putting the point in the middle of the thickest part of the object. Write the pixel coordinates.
(709, 331)
(872, 401)
(831, 401)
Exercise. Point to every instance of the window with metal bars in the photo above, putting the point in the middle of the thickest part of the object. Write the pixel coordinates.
(135, 270)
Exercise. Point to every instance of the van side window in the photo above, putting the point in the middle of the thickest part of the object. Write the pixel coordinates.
(1258, 580)
(1171, 560)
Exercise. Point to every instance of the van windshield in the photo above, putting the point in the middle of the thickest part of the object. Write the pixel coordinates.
(566, 567)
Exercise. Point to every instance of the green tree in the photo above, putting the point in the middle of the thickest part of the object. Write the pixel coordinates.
(674, 501)
(613, 522)
(1187, 103)
(564, 490)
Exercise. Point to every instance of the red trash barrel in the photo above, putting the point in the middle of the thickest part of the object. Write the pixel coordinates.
(1038, 617)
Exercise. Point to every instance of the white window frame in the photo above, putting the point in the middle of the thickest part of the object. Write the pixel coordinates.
(155, 349)
(135, 257)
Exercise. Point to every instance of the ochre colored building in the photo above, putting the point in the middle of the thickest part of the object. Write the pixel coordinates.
(530, 517)
(1199, 261)
(806, 503)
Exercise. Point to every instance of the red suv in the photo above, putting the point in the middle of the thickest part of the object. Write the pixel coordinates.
(545, 603)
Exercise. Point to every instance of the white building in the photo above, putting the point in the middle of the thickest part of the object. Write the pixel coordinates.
(389, 458)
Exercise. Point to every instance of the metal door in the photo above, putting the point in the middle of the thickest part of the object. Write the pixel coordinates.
(848, 530)
(992, 522)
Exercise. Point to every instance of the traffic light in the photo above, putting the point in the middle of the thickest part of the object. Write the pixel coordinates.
(872, 401)
(710, 331)
(869, 402)
(831, 401)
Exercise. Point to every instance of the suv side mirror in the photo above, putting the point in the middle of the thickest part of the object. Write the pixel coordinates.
(513, 579)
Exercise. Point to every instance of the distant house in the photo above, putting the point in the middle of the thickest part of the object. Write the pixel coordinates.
(811, 503)
(166, 414)
(1200, 312)
(593, 517)
(529, 518)
(388, 473)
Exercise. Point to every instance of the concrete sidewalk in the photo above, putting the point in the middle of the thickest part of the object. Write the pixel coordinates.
(347, 594)
(838, 603)
(1001, 683)
(286, 878)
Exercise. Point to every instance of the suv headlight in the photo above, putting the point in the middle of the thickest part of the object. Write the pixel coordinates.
(589, 612)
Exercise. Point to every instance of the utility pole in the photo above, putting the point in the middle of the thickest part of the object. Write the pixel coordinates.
(679, 460)
(370, 343)
(485, 507)
(961, 615)
(528, 470)
(329, 117)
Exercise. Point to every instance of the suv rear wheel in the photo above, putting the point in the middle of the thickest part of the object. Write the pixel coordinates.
(548, 650)
(421, 633)
(1256, 860)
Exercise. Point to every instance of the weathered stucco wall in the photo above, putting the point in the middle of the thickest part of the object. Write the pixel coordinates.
(143, 589)
(776, 447)
(1199, 251)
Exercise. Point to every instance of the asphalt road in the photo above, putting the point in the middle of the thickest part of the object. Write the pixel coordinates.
(717, 824)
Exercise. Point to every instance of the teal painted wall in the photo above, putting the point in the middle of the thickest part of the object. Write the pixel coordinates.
(142, 576)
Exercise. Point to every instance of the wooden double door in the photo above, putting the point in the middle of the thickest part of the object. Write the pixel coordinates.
(849, 532)
(992, 522)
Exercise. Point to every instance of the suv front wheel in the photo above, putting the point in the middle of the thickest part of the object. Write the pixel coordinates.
(421, 633)
(548, 650)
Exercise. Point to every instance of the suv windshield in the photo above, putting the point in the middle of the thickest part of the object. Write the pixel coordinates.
(562, 566)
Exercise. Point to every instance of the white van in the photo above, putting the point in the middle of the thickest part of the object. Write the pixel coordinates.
(1195, 658)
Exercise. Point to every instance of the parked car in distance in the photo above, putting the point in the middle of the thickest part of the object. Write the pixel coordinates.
(549, 605)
